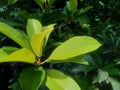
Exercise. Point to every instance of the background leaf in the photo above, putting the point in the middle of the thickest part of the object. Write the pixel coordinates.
(40, 3)
(57, 80)
(75, 46)
(72, 5)
(50, 2)
(22, 55)
(18, 36)
(33, 27)
(32, 78)
(12, 1)
(115, 83)
(102, 76)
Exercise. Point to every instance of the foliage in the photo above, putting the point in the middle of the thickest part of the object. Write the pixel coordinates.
(98, 19)
(37, 39)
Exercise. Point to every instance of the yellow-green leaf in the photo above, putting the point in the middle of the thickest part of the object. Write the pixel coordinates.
(22, 55)
(38, 40)
(18, 36)
(75, 46)
(51, 28)
(78, 59)
(57, 80)
(33, 27)
(2, 53)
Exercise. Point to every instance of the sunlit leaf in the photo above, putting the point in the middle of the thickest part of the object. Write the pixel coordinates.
(38, 40)
(51, 28)
(33, 27)
(2, 53)
(18, 36)
(22, 55)
(32, 78)
(75, 46)
(57, 80)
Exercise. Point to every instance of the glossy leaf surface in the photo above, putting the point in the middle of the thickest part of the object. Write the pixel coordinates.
(17, 36)
(32, 78)
(38, 40)
(22, 55)
(57, 80)
(33, 27)
(75, 46)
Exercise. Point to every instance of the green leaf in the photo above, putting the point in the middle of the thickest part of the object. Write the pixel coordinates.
(75, 46)
(115, 83)
(78, 59)
(2, 53)
(18, 36)
(9, 49)
(40, 3)
(50, 2)
(32, 78)
(33, 27)
(72, 5)
(57, 80)
(102, 76)
(22, 55)
(84, 10)
(38, 41)
(12, 1)
(51, 28)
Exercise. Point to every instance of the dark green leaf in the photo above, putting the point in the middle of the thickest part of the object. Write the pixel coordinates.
(9, 49)
(32, 78)
(40, 3)
(78, 59)
(12, 1)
